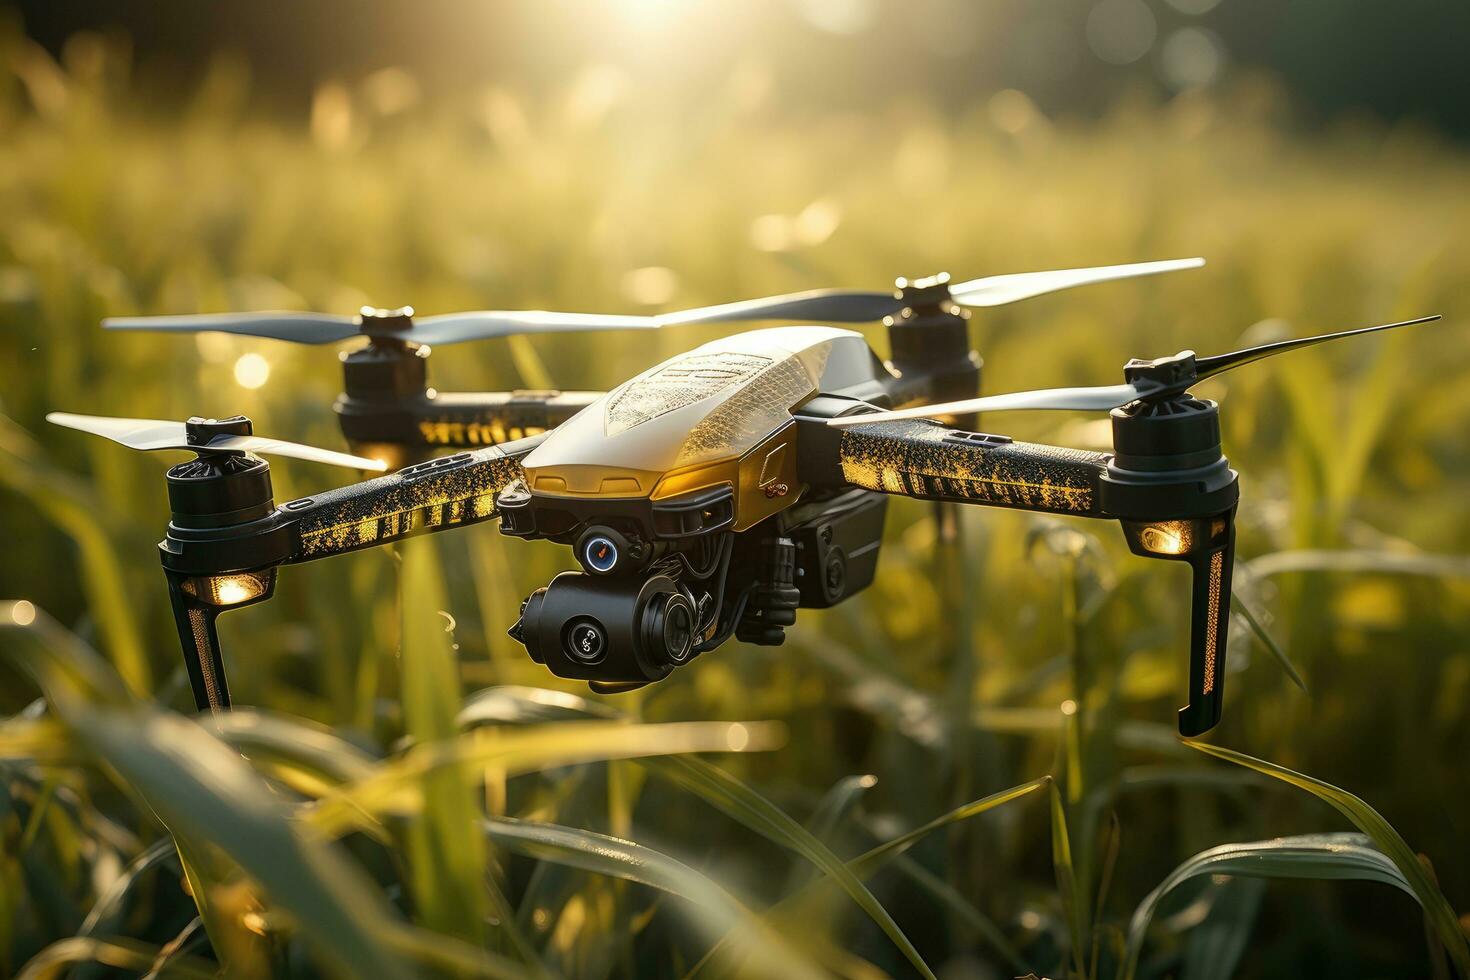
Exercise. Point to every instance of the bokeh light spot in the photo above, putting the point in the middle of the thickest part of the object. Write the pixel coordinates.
(331, 116)
(817, 221)
(391, 91)
(651, 285)
(771, 233)
(252, 371)
(1012, 110)
(1121, 31)
(1191, 58)
(1195, 7)
(839, 16)
(738, 737)
(23, 613)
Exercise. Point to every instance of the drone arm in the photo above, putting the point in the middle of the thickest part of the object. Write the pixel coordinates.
(930, 462)
(378, 426)
(451, 491)
(213, 570)
(1172, 514)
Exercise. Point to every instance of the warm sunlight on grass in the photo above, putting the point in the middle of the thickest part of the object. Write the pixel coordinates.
(970, 769)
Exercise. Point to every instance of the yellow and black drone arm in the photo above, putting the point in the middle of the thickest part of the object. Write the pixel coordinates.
(1177, 505)
(1167, 482)
(215, 560)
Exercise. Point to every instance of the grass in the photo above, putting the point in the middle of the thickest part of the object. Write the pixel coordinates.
(410, 795)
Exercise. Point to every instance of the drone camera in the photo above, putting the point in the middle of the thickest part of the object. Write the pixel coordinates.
(622, 629)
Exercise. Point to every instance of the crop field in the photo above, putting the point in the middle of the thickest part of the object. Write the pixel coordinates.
(970, 770)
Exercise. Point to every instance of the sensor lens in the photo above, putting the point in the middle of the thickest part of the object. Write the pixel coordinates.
(678, 628)
(600, 553)
(586, 641)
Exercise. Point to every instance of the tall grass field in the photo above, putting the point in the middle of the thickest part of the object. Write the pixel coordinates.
(968, 771)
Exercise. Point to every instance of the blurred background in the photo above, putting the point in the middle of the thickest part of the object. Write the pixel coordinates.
(639, 155)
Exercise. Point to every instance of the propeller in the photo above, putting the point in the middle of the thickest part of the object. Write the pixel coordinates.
(327, 328)
(822, 305)
(1147, 380)
(852, 306)
(204, 436)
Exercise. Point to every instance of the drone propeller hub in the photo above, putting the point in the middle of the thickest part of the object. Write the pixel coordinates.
(925, 295)
(1172, 373)
(375, 320)
(200, 431)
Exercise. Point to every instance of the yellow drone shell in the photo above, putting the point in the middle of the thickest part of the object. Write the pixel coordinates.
(718, 414)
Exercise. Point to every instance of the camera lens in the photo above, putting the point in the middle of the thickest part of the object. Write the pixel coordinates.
(678, 629)
(585, 640)
(669, 627)
(600, 553)
(605, 551)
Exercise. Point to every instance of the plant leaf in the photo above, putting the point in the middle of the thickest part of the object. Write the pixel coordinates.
(1260, 633)
(740, 802)
(1320, 856)
(447, 858)
(1446, 925)
(717, 913)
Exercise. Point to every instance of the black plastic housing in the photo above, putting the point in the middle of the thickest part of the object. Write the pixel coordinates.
(631, 615)
(837, 548)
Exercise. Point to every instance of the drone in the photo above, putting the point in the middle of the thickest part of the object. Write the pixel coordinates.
(716, 493)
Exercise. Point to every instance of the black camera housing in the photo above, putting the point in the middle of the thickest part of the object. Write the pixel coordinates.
(619, 629)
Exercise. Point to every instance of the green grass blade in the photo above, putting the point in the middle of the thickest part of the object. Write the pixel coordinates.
(1442, 918)
(76, 510)
(1315, 856)
(395, 785)
(745, 805)
(514, 705)
(121, 954)
(1073, 900)
(870, 862)
(69, 672)
(964, 910)
(42, 740)
(203, 792)
(1259, 632)
(308, 756)
(717, 913)
(833, 808)
(1215, 947)
(106, 914)
(447, 856)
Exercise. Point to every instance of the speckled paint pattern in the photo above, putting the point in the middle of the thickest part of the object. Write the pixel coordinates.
(926, 460)
(406, 502)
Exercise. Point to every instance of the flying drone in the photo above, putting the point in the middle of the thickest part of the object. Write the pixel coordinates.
(717, 493)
